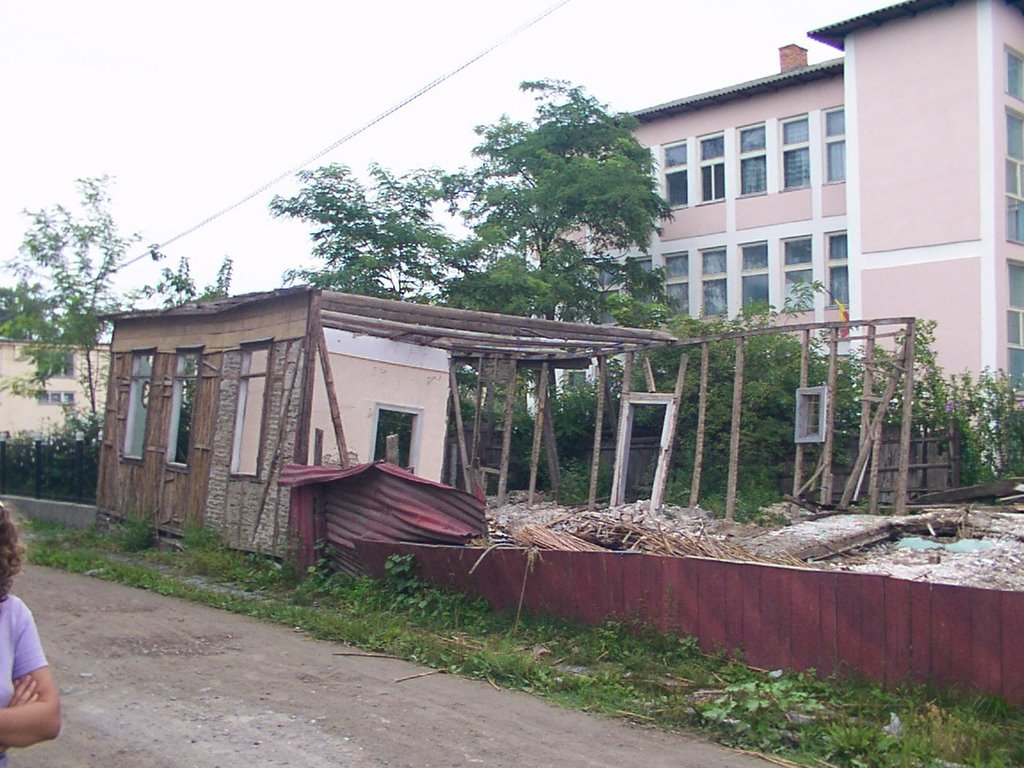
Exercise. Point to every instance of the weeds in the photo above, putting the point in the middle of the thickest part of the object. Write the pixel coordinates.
(619, 669)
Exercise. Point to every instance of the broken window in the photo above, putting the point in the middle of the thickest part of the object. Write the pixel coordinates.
(811, 408)
(252, 387)
(138, 404)
(179, 438)
(400, 422)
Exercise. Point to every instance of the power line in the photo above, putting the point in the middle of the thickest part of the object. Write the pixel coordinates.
(154, 249)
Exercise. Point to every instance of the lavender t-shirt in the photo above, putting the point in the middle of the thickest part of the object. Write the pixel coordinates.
(20, 649)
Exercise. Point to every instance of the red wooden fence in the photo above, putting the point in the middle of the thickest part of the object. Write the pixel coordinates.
(887, 630)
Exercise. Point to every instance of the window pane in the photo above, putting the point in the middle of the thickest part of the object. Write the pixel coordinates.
(1013, 327)
(797, 167)
(719, 181)
(795, 132)
(796, 276)
(676, 188)
(714, 262)
(839, 285)
(835, 123)
(798, 251)
(712, 148)
(1015, 137)
(715, 297)
(675, 155)
(1012, 177)
(755, 256)
(250, 422)
(1017, 365)
(707, 183)
(1017, 286)
(755, 289)
(752, 139)
(1015, 221)
(836, 161)
(679, 296)
(837, 248)
(677, 265)
(1014, 76)
(753, 175)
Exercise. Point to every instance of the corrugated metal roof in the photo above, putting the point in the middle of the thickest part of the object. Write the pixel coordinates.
(377, 501)
(835, 34)
(793, 77)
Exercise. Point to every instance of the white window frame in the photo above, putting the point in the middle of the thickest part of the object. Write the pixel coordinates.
(1014, 79)
(676, 167)
(245, 378)
(1015, 323)
(750, 155)
(801, 266)
(415, 430)
(835, 140)
(801, 146)
(181, 377)
(139, 392)
(747, 273)
(714, 167)
(679, 282)
(836, 265)
(1014, 178)
(706, 278)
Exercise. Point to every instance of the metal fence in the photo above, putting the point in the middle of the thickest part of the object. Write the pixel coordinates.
(58, 468)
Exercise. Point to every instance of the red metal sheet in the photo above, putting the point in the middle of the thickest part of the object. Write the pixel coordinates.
(588, 573)
(552, 586)
(805, 618)
(921, 640)
(615, 599)
(1012, 604)
(872, 660)
(752, 608)
(897, 631)
(682, 603)
(986, 624)
(711, 591)
(642, 587)
(849, 620)
(829, 642)
(776, 618)
(734, 605)
(945, 633)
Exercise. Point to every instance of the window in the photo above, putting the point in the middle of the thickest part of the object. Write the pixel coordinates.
(56, 398)
(835, 145)
(57, 363)
(402, 425)
(676, 177)
(1014, 177)
(753, 162)
(1014, 75)
(712, 168)
(754, 273)
(797, 263)
(715, 287)
(796, 154)
(138, 404)
(183, 396)
(677, 281)
(1015, 325)
(838, 274)
(252, 388)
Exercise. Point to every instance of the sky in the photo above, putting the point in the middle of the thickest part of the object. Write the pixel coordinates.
(191, 106)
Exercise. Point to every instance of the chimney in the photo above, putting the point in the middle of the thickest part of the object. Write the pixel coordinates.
(792, 56)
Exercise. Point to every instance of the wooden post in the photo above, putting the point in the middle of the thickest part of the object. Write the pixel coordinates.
(825, 495)
(538, 431)
(798, 462)
(623, 434)
(332, 401)
(318, 447)
(734, 432)
(899, 502)
(867, 393)
(649, 375)
(506, 438)
(551, 442)
(702, 410)
(475, 445)
(391, 453)
(595, 463)
(668, 438)
(460, 435)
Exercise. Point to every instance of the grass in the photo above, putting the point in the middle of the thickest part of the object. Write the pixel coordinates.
(617, 669)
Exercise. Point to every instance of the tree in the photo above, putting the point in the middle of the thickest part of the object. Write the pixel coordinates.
(177, 286)
(66, 267)
(553, 206)
(381, 240)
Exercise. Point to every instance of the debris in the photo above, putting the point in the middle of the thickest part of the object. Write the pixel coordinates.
(895, 727)
(421, 674)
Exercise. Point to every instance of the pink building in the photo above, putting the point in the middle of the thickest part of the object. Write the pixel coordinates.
(893, 175)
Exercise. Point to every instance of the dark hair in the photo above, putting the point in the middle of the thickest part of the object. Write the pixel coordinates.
(11, 552)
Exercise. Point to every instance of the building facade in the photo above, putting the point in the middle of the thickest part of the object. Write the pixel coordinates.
(893, 176)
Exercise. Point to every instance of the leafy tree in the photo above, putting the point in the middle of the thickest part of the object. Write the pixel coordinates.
(177, 286)
(553, 205)
(66, 267)
(381, 240)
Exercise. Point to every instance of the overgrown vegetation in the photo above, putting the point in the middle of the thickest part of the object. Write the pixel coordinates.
(616, 669)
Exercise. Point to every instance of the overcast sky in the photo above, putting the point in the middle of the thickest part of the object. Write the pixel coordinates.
(192, 105)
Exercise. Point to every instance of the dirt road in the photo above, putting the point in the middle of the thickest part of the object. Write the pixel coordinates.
(153, 682)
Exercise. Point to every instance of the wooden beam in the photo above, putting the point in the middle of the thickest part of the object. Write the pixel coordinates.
(899, 502)
(702, 410)
(506, 438)
(649, 375)
(595, 462)
(825, 495)
(668, 436)
(318, 447)
(867, 393)
(538, 431)
(460, 434)
(623, 434)
(798, 461)
(332, 400)
(734, 432)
